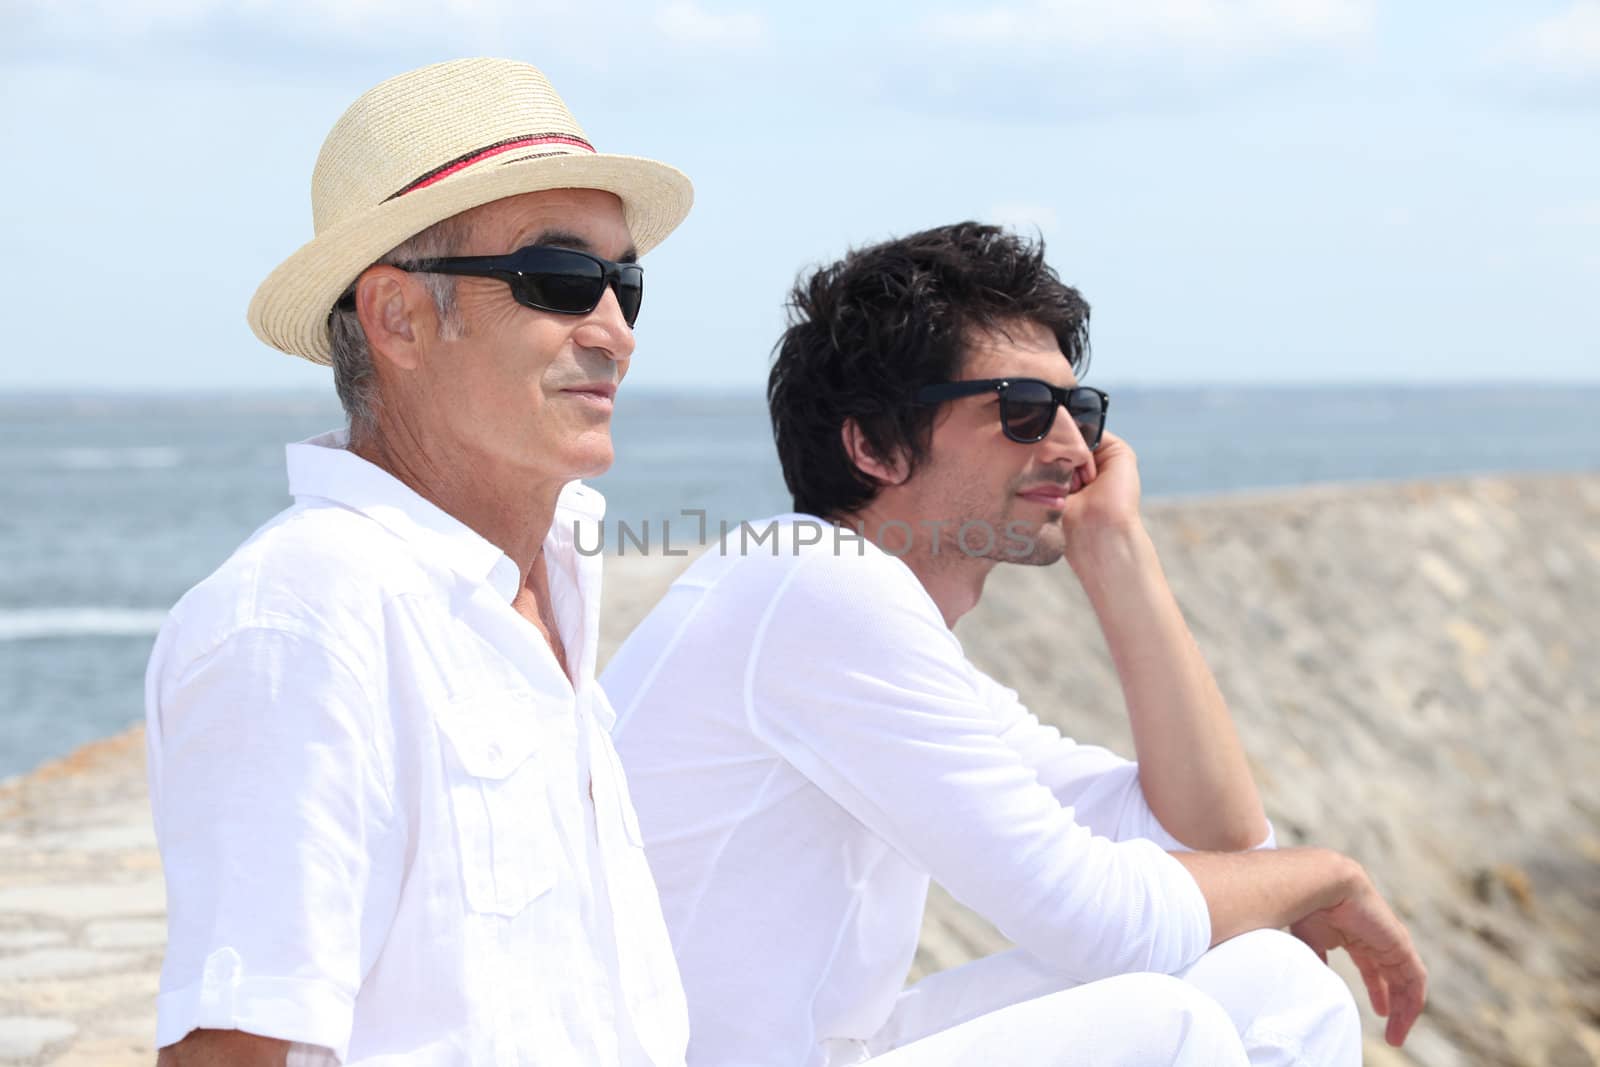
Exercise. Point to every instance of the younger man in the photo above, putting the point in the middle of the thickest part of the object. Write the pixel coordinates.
(808, 744)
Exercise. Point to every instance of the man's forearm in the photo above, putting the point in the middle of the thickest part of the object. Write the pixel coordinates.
(1269, 890)
(224, 1048)
(1192, 767)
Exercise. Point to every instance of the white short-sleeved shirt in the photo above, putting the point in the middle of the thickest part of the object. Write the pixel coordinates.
(393, 831)
(808, 744)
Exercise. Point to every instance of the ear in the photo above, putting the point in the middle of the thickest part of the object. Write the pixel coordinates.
(396, 313)
(885, 471)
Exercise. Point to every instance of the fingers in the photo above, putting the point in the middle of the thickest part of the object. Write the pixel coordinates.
(1372, 976)
(1090, 470)
(1382, 951)
(1407, 1006)
(1399, 1026)
(1408, 993)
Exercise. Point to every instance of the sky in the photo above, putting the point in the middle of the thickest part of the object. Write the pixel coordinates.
(1264, 191)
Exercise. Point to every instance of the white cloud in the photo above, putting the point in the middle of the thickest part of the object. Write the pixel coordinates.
(1396, 215)
(1566, 45)
(687, 23)
(1571, 213)
(371, 22)
(1215, 29)
(491, 26)
(1085, 58)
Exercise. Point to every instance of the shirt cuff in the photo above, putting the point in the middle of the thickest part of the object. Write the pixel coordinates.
(1187, 914)
(306, 1010)
(1154, 831)
(301, 1055)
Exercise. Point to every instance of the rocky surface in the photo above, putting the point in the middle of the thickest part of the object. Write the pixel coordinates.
(81, 911)
(1412, 667)
(1413, 671)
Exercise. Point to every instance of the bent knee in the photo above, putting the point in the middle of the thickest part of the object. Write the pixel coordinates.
(1299, 1001)
(1184, 1020)
(1287, 963)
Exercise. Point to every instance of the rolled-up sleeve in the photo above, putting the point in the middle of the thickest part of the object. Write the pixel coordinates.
(271, 812)
(895, 730)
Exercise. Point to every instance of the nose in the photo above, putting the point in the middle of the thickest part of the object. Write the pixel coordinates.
(1065, 441)
(606, 329)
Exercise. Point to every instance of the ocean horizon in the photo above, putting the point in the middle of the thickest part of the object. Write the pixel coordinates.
(113, 504)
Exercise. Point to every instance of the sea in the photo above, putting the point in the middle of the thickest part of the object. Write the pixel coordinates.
(111, 506)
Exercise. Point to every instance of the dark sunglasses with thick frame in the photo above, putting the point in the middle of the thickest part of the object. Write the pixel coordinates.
(1028, 406)
(543, 277)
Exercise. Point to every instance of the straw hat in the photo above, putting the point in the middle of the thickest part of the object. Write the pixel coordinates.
(430, 144)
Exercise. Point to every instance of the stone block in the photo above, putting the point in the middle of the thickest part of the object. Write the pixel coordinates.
(147, 896)
(25, 1039)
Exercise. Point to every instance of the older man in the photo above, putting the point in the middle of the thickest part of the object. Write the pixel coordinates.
(393, 826)
(809, 743)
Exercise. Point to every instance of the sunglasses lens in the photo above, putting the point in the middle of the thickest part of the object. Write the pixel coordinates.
(1027, 409)
(574, 284)
(570, 284)
(630, 291)
(1089, 412)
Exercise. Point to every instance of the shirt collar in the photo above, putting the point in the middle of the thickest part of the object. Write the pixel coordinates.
(324, 467)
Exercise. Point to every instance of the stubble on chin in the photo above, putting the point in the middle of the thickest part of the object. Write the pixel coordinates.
(1030, 544)
(1049, 544)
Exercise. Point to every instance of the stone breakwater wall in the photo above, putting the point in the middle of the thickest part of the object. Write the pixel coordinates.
(1415, 670)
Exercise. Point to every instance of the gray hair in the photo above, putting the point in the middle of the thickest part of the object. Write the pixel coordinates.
(354, 376)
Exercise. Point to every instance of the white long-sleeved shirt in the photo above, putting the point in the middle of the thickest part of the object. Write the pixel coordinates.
(393, 829)
(807, 745)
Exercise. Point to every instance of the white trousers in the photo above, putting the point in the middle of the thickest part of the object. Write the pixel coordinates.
(1262, 999)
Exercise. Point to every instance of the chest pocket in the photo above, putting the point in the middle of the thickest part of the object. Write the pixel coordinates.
(499, 801)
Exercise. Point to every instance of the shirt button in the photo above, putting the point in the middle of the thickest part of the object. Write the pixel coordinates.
(222, 968)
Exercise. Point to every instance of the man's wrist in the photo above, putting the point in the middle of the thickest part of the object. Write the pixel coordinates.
(1353, 879)
(1345, 880)
(1106, 549)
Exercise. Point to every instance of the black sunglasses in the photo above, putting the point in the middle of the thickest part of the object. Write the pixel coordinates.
(1028, 406)
(543, 277)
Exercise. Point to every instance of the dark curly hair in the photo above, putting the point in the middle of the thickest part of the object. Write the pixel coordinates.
(867, 332)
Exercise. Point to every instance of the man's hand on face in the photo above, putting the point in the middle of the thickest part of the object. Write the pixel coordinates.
(1365, 926)
(1109, 501)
